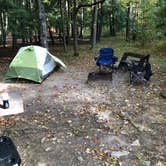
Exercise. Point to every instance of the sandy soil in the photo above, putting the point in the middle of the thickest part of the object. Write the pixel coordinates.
(69, 122)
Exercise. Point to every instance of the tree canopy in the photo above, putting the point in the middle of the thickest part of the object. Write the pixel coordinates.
(41, 21)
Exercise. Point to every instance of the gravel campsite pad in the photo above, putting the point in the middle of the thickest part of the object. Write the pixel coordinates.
(69, 122)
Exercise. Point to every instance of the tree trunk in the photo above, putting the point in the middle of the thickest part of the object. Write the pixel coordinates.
(94, 27)
(63, 25)
(43, 25)
(128, 23)
(75, 11)
(68, 28)
(134, 22)
(3, 31)
(100, 24)
(112, 21)
(91, 26)
(112, 26)
(75, 33)
(14, 41)
(82, 23)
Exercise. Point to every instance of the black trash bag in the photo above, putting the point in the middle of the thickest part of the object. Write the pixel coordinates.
(8, 153)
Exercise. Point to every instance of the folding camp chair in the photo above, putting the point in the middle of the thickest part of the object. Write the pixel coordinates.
(140, 70)
(106, 58)
(105, 61)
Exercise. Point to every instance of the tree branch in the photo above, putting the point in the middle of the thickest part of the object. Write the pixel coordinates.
(88, 5)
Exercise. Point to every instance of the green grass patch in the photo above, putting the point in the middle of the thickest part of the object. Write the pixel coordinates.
(156, 49)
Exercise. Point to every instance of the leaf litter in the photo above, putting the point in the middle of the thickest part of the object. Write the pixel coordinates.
(70, 122)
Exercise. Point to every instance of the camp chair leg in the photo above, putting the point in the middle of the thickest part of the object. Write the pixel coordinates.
(100, 68)
(131, 78)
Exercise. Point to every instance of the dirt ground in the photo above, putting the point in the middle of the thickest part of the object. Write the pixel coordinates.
(69, 122)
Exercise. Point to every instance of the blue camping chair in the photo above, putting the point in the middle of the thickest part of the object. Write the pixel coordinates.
(106, 58)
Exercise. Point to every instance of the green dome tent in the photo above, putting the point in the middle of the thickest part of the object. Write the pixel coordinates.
(33, 63)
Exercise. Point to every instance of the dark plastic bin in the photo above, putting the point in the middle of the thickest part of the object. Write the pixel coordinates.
(8, 153)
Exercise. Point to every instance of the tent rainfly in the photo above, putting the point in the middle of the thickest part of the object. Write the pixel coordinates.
(33, 63)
